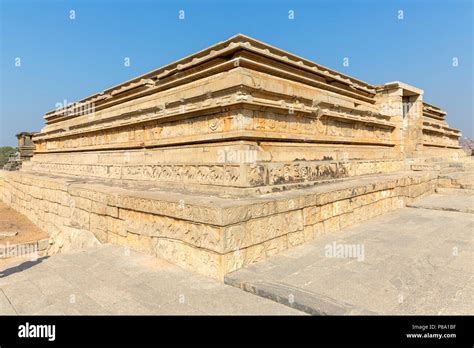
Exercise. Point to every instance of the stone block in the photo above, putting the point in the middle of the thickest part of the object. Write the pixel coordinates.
(296, 238)
(79, 219)
(331, 225)
(341, 207)
(327, 211)
(140, 243)
(347, 220)
(116, 226)
(43, 244)
(312, 215)
(308, 233)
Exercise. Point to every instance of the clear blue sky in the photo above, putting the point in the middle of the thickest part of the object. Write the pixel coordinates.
(64, 59)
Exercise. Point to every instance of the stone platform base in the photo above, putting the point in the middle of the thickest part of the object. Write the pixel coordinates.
(207, 234)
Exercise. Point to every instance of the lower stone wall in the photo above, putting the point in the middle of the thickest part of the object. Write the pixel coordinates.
(210, 235)
(441, 154)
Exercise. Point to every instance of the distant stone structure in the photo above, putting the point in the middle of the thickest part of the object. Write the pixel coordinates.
(14, 161)
(24, 151)
(228, 156)
(25, 145)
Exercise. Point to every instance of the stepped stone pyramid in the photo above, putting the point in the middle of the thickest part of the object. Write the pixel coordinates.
(230, 155)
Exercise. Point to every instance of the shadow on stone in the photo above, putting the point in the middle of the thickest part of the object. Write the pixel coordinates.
(21, 267)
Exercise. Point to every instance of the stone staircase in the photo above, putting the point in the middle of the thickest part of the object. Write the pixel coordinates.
(459, 174)
(14, 162)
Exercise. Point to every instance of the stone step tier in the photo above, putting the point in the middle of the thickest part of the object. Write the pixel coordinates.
(211, 235)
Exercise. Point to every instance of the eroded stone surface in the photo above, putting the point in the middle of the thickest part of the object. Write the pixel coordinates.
(210, 235)
(229, 156)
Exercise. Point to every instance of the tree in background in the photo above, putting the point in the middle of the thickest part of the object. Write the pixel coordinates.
(5, 151)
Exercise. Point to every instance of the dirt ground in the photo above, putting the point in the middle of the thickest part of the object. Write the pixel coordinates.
(12, 221)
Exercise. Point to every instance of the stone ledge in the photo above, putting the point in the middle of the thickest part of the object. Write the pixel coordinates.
(293, 297)
(211, 235)
(214, 210)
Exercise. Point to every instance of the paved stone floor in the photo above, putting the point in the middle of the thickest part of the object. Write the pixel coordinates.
(417, 260)
(113, 280)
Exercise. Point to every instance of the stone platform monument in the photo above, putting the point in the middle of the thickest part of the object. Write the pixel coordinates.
(228, 156)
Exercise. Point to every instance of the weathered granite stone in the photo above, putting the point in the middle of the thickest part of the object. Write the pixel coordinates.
(227, 157)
